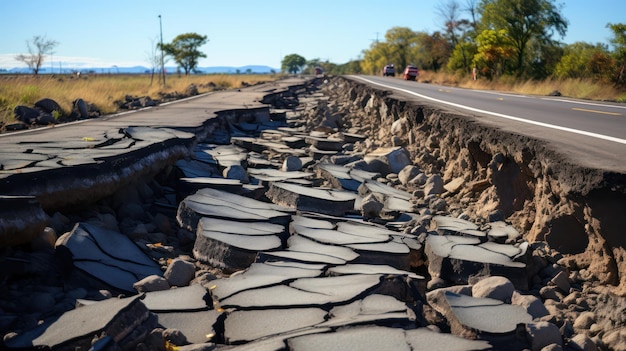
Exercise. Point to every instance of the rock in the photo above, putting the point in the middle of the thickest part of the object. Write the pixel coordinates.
(180, 272)
(615, 339)
(395, 158)
(434, 185)
(79, 107)
(407, 173)
(191, 90)
(48, 106)
(533, 305)
(455, 185)
(26, 114)
(561, 280)
(552, 347)
(499, 288)
(371, 206)
(400, 127)
(581, 342)
(542, 334)
(151, 283)
(584, 321)
(549, 293)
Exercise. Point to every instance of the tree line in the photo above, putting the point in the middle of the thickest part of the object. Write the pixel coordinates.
(501, 38)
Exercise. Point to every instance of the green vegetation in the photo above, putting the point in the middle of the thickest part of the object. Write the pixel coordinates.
(507, 41)
(185, 50)
(293, 63)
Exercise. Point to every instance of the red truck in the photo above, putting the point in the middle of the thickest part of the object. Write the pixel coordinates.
(411, 72)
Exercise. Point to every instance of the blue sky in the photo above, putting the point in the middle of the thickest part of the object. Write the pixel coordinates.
(240, 32)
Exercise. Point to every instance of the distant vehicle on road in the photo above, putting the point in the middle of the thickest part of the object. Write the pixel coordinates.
(411, 72)
(389, 70)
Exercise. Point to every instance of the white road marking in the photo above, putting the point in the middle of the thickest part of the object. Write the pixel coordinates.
(585, 103)
(500, 115)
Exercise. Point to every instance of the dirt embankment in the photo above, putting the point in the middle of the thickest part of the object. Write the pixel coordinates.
(578, 211)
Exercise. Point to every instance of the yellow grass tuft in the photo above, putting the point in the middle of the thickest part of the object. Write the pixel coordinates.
(104, 90)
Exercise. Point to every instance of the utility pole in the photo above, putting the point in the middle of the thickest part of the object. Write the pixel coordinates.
(162, 59)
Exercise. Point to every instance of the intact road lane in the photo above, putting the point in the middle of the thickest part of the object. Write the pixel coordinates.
(592, 134)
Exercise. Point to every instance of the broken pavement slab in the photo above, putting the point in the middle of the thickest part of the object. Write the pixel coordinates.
(455, 259)
(224, 205)
(127, 321)
(472, 316)
(333, 202)
(245, 326)
(109, 257)
(384, 338)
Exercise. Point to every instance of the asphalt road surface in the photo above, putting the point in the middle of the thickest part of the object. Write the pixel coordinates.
(590, 133)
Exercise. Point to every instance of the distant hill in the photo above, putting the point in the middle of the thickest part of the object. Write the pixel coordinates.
(257, 69)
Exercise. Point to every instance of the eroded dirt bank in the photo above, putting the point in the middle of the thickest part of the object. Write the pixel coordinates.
(578, 211)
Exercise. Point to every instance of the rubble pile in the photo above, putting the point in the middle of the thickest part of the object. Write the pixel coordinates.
(311, 229)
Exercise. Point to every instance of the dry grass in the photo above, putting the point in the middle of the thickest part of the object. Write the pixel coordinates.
(575, 88)
(104, 90)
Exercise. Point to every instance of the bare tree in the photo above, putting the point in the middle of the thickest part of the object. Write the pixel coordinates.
(154, 58)
(38, 48)
(470, 7)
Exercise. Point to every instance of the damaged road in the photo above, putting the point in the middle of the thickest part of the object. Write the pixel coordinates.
(328, 215)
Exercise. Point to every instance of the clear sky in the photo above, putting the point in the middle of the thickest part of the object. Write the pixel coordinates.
(240, 32)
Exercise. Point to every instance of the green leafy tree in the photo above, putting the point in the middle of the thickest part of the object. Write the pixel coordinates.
(462, 56)
(400, 47)
(619, 43)
(38, 48)
(585, 60)
(374, 59)
(403, 44)
(494, 53)
(185, 49)
(433, 51)
(293, 63)
(524, 21)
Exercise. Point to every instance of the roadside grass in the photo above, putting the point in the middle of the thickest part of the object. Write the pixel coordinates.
(105, 90)
(574, 88)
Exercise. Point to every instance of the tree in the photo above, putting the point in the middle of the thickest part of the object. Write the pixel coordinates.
(584, 60)
(184, 49)
(403, 42)
(619, 53)
(456, 30)
(153, 58)
(293, 63)
(524, 21)
(37, 50)
(493, 53)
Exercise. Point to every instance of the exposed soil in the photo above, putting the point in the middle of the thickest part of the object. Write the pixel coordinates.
(577, 211)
